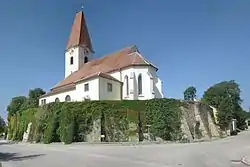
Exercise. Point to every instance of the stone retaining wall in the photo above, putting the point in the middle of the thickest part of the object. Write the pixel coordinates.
(198, 121)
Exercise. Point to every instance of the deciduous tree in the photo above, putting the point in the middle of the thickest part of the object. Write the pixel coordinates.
(15, 105)
(225, 96)
(2, 125)
(34, 95)
(190, 93)
(33, 98)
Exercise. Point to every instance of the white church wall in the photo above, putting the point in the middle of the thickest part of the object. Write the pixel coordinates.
(61, 96)
(120, 75)
(157, 83)
(92, 93)
(40, 101)
(116, 75)
(98, 87)
(133, 74)
(146, 91)
(78, 94)
(158, 88)
(104, 94)
(78, 59)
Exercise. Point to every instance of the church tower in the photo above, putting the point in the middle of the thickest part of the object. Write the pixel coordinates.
(79, 49)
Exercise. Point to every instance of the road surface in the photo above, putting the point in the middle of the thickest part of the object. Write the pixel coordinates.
(220, 153)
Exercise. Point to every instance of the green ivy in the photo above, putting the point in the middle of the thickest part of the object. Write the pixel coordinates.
(163, 116)
(120, 120)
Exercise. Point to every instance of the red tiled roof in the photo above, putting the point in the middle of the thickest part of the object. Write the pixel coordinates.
(63, 89)
(121, 59)
(107, 76)
(79, 35)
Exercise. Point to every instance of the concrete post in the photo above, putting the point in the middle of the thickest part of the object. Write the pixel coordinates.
(234, 124)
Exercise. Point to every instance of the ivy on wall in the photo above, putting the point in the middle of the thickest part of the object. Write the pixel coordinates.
(120, 120)
(164, 117)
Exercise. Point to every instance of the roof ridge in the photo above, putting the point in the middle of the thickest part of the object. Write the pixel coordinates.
(81, 22)
(120, 50)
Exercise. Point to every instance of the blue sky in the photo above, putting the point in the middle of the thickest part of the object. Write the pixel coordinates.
(192, 42)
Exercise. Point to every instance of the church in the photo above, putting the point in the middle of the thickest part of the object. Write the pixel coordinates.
(122, 75)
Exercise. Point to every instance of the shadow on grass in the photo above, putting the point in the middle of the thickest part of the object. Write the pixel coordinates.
(16, 157)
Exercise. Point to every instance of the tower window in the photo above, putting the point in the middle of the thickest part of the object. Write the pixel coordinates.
(86, 59)
(71, 60)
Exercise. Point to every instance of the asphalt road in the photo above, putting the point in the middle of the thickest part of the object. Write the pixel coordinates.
(220, 153)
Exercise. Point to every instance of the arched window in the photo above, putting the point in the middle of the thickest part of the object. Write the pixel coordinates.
(139, 84)
(71, 60)
(86, 59)
(126, 87)
(67, 98)
(57, 100)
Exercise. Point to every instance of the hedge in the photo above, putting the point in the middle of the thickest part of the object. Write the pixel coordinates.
(119, 120)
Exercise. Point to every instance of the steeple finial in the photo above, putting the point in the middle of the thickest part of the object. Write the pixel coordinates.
(82, 7)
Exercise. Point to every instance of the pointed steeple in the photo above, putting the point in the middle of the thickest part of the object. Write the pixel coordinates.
(79, 35)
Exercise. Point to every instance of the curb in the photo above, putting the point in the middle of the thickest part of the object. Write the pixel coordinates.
(135, 143)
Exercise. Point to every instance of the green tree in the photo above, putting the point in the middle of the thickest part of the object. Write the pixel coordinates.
(2, 125)
(36, 93)
(16, 108)
(33, 98)
(225, 96)
(15, 105)
(190, 93)
(248, 114)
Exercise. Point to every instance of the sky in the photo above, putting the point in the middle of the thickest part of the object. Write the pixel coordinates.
(193, 43)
